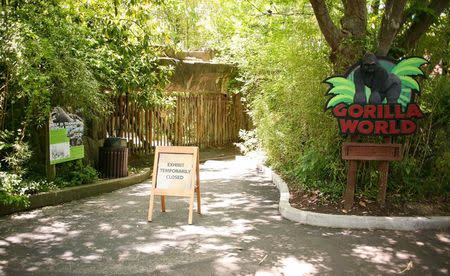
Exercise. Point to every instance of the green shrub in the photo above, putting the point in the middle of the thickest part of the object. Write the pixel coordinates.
(425, 170)
(13, 154)
(74, 173)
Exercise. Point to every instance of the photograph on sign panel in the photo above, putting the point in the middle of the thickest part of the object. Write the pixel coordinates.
(59, 151)
(174, 171)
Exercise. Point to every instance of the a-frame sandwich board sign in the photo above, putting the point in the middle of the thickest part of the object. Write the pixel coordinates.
(175, 173)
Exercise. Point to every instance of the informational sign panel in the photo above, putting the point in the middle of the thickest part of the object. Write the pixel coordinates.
(175, 173)
(66, 136)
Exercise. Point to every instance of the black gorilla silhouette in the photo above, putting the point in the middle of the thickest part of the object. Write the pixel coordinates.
(382, 83)
(59, 116)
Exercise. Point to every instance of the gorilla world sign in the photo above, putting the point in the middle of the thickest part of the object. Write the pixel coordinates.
(377, 119)
(376, 97)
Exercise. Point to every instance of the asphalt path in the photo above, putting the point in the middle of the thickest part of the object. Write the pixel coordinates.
(239, 233)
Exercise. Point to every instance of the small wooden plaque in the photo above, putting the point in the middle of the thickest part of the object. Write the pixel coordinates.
(370, 151)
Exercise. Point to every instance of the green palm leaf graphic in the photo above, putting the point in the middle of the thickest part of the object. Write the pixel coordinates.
(413, 61)
(340, 81)
(404, 99)
(406, 71)
(409, 83)
(339, 99)
(342, 90)
(367, 91)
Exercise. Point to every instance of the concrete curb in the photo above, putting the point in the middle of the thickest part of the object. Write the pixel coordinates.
(350, 221)
(78, 192)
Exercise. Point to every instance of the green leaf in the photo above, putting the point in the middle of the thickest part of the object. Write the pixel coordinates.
(339, 99)
(406, 92)
(406, 71)
(342, 90)
(341, 81)
(409, 83)
(404, 100)
(413, 61)
(405, 97)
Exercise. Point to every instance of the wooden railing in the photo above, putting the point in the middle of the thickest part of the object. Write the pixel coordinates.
(204, 120)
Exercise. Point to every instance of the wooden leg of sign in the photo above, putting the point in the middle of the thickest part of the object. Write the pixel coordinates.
(198, 200)
(163, 203)
(191, 208)
(351, 184)
(197, 175)
(383, 167)
(150, 207)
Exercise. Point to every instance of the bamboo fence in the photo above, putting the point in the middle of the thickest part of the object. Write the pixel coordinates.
(204, 120)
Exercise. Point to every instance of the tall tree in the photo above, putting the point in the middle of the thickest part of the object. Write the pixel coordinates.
(347, 43)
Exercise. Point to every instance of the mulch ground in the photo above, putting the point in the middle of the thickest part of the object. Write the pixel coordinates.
(312, 201)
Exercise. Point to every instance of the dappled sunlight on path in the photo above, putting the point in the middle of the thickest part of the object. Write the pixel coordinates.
(239, 233)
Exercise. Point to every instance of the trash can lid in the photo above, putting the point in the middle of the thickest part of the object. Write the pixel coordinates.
(115, 142)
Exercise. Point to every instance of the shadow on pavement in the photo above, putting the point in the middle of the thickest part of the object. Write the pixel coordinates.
(239, 233)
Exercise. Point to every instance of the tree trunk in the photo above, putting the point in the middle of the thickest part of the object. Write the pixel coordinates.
(390, 25)
(326, 25)
(347, 43)
(421, 24)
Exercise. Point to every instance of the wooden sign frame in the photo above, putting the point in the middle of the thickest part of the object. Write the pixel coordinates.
(163, 192)
(383, 153)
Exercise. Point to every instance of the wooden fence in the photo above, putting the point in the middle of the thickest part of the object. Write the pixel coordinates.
(204, 120)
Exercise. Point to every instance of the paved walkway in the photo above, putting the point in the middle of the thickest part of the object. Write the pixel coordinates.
(240, 233)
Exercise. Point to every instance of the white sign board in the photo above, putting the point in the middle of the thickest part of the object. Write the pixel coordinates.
(174, 171)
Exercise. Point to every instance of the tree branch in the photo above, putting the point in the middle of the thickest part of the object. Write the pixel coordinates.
(422, 23)
(390, 25)
(326, 25)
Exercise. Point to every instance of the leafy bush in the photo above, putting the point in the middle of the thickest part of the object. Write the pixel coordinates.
(14, 153)
(281, 75)
(425, 170)
(16, 183)
(74, 173)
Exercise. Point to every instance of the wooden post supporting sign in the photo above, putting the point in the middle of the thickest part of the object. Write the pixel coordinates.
(383, 153)
(175, 173)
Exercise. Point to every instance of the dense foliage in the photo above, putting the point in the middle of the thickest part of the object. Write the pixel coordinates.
(73, 54)
(282, 65)
(76, 53)
(283, 58)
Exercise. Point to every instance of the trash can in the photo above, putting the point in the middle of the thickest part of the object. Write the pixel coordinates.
(113, 158)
